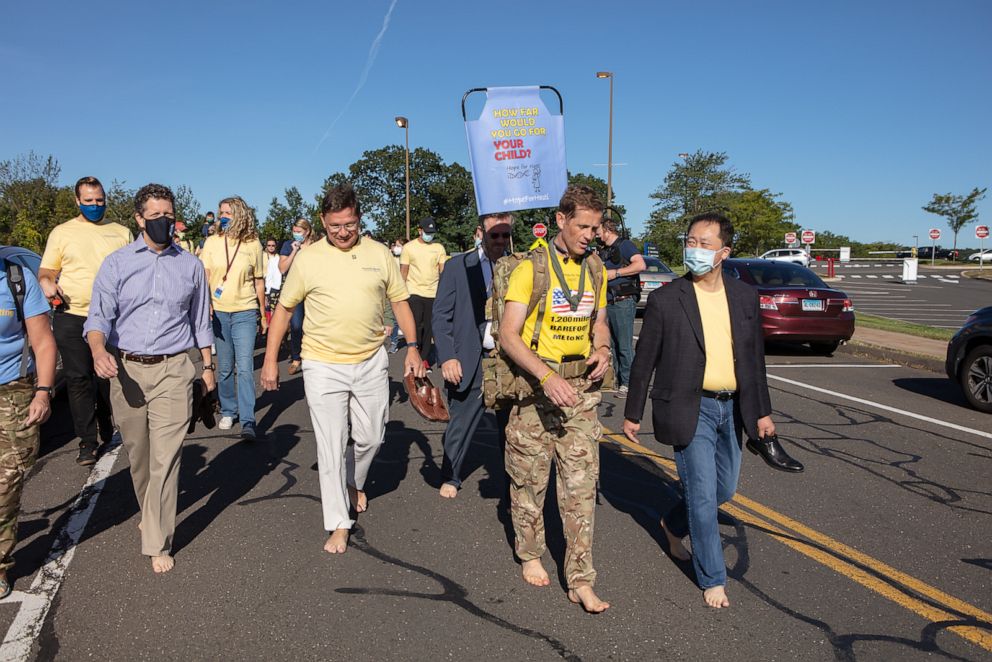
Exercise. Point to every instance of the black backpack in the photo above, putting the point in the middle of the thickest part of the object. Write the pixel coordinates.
(15, 280)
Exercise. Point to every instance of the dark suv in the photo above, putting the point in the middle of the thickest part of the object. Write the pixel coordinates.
(969, 359)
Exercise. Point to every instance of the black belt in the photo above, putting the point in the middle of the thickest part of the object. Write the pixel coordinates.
(147, 359)
(720, 395)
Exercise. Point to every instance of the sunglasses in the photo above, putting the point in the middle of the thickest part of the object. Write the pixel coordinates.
(498, 235)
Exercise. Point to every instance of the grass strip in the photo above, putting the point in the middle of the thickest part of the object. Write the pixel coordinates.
(898, 326)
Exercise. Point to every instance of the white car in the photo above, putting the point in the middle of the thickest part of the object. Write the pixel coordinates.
(984, 256)
(793, 255)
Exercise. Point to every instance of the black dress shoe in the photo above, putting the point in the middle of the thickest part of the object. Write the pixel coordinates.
(87, 455)
(773, 454)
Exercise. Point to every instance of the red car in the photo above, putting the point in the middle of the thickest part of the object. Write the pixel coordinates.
(796, 306)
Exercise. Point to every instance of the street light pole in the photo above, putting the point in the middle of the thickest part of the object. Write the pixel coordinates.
(609, 158)
(404, 124)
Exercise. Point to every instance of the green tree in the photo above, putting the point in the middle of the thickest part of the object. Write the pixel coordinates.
(28, 193)
(700, 182)
(187, 207)
(760, 220)
(959, 210)
(281, 216)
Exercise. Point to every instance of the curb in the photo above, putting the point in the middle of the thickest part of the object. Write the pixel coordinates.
(930, 363)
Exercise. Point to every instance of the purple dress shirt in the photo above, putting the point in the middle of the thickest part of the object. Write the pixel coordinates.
(151, 303)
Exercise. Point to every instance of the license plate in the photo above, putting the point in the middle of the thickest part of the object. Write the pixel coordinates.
(812, 305)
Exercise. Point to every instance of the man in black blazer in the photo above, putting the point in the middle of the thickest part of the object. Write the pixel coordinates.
(702, 339)
(461, 337)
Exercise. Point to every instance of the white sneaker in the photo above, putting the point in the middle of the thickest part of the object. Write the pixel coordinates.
(622, 391)
(226, 423)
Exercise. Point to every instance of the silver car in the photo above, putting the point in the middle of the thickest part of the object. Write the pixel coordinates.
(793, 255)
(656, 275)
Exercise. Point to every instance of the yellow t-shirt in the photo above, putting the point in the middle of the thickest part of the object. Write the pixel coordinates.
(76, 249)
(718, 340)
(563, 333)
(424, 260)
(344, 293)
(238, 292)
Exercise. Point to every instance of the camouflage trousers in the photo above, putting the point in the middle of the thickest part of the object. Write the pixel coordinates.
(537, 433)
(18, 451)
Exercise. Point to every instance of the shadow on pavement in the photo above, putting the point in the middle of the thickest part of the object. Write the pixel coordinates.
(393, 460)
(938, 388)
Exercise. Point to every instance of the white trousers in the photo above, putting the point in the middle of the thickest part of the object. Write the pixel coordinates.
(334, 391)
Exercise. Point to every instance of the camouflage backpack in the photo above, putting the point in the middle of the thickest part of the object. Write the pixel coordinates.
(502, 381)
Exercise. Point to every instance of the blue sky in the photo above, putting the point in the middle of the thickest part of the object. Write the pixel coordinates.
(857, 112)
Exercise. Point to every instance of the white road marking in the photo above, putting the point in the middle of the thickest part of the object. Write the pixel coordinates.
(37, 600)
(870, 403)
(871, 276)
(856, 276)
(832, 365)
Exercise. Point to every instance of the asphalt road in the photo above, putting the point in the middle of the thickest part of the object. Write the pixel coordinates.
(880, 550)
(940, 297)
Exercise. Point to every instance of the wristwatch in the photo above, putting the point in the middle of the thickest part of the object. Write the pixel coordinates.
(46, 389)
(413, 344)
(209, 366)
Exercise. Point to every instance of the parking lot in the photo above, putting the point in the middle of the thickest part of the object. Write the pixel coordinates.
(940, 297)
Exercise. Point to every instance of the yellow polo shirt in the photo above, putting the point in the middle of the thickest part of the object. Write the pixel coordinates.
(563, 332)
(76, 249)
(238, 293)
(344, 293)
(717, 339)
(425, 261)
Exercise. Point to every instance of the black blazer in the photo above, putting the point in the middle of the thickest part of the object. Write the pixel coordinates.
(671, 348)
(459, 314)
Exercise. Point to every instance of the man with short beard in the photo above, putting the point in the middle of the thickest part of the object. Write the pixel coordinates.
(343, 279)
(73, 255)
(151, 305)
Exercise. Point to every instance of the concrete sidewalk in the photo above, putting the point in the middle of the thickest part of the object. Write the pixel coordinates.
(901, 348)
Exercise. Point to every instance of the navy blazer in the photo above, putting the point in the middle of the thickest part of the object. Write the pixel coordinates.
(670, 348)
(459, 315)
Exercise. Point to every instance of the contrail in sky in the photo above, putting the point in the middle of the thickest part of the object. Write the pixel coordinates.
(373, 51)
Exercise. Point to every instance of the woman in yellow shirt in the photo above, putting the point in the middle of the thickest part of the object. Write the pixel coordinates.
(233, 259)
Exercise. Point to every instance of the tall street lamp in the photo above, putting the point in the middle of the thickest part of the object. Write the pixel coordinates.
(404, 124)
(609, 159)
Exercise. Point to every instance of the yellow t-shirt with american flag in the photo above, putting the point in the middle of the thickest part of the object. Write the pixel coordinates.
(563, 332)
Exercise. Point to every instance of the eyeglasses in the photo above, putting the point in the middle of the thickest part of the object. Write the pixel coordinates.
(347, 227)
(498, 235)
(171, 217)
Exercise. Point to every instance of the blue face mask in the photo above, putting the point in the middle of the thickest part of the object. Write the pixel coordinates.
(427, 237)
(93, 213)
(298, 236)
(699, 260)
(478, 243)
(224, 222)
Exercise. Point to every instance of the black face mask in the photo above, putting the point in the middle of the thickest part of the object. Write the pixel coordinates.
(159, 230)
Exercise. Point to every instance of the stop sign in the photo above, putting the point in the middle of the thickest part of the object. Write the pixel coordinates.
(540, 230)
(934, 234)
(981, 232)
(790, 237)
(809, 237)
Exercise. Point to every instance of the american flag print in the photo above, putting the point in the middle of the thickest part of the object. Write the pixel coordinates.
(561, 307)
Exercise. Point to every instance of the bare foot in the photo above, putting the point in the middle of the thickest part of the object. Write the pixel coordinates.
(675, 546)
(337, 543)
(534, 573)
(716, 597)
(448, 491)
(163, 563)
(585, 596)
(358, 499)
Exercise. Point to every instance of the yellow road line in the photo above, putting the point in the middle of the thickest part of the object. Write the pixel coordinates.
(976, 635)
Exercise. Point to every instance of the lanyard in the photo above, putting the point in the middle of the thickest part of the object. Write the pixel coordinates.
(573, 299)
(230, 260)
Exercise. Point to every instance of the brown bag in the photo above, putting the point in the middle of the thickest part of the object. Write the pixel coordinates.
(426, 398)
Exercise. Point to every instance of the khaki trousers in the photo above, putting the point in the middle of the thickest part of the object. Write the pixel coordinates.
(152, 406)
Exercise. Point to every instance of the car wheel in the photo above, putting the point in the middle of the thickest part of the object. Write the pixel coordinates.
(976, 378)
(825, 348)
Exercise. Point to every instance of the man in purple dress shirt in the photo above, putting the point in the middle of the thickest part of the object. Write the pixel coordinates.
(150, 306)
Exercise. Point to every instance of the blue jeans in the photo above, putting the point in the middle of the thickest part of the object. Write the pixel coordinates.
(708, 468)
(621, 316)
(234, 335)
(296, 333)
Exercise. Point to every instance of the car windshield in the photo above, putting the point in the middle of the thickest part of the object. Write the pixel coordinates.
(656, 266)
(783, 274)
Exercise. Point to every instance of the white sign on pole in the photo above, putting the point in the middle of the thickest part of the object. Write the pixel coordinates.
(809, 237)
(845, 253)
